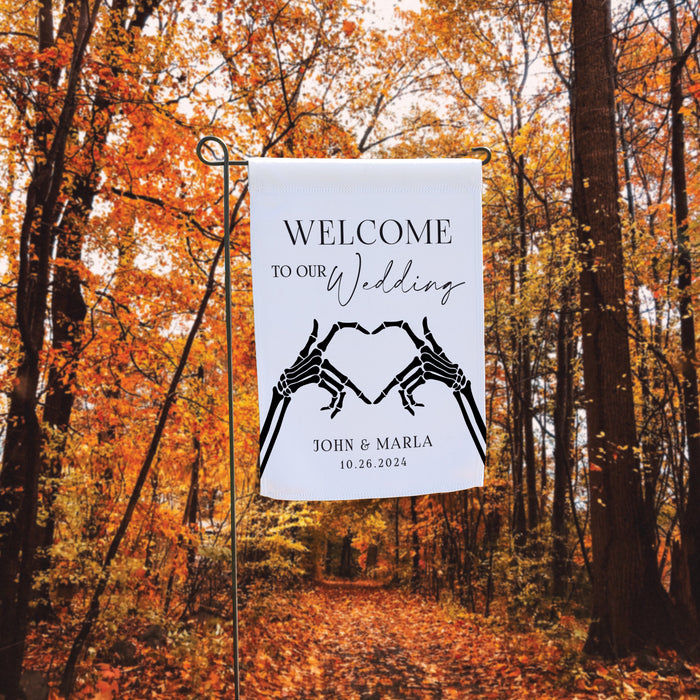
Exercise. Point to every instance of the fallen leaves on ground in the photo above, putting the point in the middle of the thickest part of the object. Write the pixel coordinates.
(365, 642)
(370, 643)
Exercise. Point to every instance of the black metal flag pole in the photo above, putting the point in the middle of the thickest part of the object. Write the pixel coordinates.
(226, 163)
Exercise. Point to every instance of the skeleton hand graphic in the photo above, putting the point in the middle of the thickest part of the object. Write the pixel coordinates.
(431, 363)
(310, 367)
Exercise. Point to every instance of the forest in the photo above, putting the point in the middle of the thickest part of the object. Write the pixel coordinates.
(574, 572)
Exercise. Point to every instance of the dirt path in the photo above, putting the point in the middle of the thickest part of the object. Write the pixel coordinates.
(369, 643)
(385, 645)
(357, 642)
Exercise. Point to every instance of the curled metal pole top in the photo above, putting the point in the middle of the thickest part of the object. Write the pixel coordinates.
(485, 150)
(208, 140)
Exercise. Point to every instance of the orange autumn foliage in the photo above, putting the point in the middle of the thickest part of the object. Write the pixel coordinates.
(133, 239)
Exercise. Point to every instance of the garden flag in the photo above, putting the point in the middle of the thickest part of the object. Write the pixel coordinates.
(368, 302)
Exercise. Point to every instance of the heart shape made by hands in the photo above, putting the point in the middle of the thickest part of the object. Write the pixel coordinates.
(371, 361)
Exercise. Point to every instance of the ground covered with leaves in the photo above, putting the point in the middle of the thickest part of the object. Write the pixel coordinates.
(366, 642)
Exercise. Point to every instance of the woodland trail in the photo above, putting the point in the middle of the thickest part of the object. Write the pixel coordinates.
(359, 643)
(371, 643)
(363, 642)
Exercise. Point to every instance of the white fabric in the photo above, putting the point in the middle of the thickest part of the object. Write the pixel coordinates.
(363, 263)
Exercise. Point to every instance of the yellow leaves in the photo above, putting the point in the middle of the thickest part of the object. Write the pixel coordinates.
(523, 139)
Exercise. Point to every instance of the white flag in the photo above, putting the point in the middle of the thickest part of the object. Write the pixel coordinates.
(368, 302)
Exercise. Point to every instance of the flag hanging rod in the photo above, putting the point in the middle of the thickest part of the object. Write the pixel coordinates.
(477, 149)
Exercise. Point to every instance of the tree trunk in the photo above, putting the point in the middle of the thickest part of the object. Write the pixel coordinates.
(563, 444)
(524, 377)
(345, 570)
(67, 305)
(397, 547)
(517, 418)
(415, 546)
(68, 311)
(650, 439)
(21, 462)
(189, 519)
(690, 516)
(518, 518)
(630, 607)
(192, 507)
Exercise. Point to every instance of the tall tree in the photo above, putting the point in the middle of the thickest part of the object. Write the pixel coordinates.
(21, 459)
(563, 442)
(651, 143)
(630, 607)
(475, 49)
(68, 307)
(690, 519)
